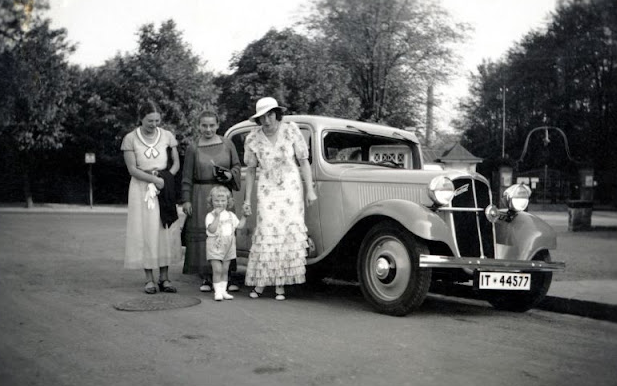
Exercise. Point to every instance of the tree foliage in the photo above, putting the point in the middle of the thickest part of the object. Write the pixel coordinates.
(293, 69)
(35, 82)
(392, 49)
(564, 77)
(163, 69)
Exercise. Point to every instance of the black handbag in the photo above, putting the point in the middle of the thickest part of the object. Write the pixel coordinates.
(225, 177)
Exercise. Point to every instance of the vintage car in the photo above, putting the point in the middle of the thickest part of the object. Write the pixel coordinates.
(394, 226)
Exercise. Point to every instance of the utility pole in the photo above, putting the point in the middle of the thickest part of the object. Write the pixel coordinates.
(430, 102)
(503, 124)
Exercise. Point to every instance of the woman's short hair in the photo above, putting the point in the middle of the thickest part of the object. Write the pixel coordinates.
(278, 112)
(208, 113)
(221, 190)
(148, 107)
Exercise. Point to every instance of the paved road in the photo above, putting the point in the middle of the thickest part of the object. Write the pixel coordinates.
(61, 274)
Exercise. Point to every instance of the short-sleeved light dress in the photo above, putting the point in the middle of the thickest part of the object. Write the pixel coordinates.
(148, 244)
(279, 248)
(221, 245)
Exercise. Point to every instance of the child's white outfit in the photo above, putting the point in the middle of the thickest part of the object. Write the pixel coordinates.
(221, 245)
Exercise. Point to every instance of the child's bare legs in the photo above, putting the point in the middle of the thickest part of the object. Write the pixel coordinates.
(219, 279)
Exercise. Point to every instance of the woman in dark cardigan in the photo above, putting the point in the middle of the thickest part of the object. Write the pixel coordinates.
(198, 178)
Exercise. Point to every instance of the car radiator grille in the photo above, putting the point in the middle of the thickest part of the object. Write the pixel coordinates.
(474, 233)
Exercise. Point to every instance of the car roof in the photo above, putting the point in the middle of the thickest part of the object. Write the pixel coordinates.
(321, 122)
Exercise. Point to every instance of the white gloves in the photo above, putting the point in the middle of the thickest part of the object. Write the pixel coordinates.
(151, 193)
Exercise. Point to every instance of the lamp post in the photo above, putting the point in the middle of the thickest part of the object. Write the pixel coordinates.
(503, 120)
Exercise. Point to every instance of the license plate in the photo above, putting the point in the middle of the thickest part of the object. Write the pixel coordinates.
(504, 281)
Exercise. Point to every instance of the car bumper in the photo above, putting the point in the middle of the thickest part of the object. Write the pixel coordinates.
(473, 263)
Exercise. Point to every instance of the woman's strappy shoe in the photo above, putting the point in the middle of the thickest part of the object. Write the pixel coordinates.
(165, 286)
(254, 294)
(150, 290)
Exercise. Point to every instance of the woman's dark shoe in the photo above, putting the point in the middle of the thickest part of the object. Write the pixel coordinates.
(165, 286)
(150, 289)
(205, 286)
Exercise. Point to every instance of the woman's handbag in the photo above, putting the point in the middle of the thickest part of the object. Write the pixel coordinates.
(225, 177)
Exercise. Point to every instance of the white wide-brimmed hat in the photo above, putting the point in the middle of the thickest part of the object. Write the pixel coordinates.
(264, 105)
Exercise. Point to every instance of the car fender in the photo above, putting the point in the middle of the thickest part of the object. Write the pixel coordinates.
(417, 218)
(523, 237)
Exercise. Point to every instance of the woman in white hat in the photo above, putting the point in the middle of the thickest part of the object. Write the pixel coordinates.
(278, 252)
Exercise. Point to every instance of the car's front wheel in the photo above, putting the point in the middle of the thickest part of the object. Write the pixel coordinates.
(518, 301)
(389, 269)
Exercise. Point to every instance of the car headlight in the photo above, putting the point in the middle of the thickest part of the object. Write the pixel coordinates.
(441, 190)
(492, 213)
(516, 197)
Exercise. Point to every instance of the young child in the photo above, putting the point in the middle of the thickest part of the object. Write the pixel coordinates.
(221, 225)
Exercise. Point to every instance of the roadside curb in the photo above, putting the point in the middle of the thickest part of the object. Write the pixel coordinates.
(65, 210)
(569, 306)
(577, 307)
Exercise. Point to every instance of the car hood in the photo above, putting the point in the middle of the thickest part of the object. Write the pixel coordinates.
(382, 174)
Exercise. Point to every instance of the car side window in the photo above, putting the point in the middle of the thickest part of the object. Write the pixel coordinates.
(344, 147)
(352, 147)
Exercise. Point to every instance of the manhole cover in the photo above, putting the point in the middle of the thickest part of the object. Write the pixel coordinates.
(157, 303)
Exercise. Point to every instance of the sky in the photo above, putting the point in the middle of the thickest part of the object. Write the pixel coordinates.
(216, 29)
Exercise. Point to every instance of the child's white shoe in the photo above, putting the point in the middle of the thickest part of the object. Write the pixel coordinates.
(218, 294)
(226, 295)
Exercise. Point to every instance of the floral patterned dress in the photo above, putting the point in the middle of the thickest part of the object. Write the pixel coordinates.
(278, 252)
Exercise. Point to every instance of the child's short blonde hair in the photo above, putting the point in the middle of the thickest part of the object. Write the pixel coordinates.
(221, 190)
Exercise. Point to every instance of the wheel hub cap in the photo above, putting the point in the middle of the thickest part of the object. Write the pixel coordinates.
(382, 268)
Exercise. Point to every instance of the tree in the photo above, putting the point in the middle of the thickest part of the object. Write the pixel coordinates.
(165, 70)
(564, 76)
(292, 68)
(35, 81)
(393, 49)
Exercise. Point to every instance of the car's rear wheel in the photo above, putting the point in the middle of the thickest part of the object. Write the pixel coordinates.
(389, 269)
(518, 301)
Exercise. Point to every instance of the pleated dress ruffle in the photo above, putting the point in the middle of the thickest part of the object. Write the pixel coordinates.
(278, 259)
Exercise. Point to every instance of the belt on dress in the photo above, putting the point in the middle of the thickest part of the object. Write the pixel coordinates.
(204, 182)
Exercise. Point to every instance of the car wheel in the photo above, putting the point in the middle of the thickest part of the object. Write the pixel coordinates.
(389, 269)
(518, 301)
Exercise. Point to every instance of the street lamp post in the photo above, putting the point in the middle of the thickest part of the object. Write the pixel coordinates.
(503, 118)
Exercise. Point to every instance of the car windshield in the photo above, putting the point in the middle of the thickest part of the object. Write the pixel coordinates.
(359, 146)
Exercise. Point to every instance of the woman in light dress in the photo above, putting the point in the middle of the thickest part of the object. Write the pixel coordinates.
(279, 244)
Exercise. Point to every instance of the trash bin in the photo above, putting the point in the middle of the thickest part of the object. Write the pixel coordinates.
(579, 215)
